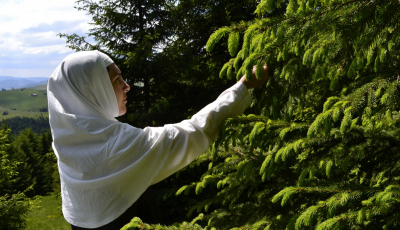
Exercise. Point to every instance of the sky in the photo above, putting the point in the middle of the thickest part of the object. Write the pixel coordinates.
(29, 45)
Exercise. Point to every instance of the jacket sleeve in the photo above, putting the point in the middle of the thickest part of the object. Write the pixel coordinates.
(192, 137)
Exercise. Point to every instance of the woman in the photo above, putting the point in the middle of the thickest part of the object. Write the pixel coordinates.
(106, 165)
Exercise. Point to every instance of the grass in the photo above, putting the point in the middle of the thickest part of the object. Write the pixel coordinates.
(46, 214)
(22, 104)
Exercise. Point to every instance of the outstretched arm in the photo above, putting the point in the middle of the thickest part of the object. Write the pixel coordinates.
(192, 137)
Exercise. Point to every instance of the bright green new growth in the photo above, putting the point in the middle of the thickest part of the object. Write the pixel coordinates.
(233, 43)
(216, 36)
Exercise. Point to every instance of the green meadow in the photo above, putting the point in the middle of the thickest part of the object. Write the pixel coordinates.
(22, 104)
(46, 213)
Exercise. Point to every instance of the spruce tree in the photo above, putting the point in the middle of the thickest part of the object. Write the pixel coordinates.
(8, 168)
(321, 147)
(36, 166)
(13, 207)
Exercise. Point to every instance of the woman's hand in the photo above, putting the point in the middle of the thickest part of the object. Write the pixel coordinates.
(254, 81)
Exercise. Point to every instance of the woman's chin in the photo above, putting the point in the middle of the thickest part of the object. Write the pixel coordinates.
(122, 111)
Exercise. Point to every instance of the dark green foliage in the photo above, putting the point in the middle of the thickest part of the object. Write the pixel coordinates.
(13, 208)
(37, 125)
(36, 165)
(174, 209)
(323, 151)
(8, 173)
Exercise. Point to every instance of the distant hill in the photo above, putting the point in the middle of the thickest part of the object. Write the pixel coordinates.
(6, 77)
(7, 82)
(40, 87)
(37, 84)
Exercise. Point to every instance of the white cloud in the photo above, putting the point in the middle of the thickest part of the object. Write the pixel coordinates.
(29, 35)
(19, 15)
(46, 49)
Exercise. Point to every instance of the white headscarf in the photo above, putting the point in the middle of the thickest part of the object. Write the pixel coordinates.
(104, 165)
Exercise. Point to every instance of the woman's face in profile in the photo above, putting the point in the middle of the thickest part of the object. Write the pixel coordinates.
(120, 87)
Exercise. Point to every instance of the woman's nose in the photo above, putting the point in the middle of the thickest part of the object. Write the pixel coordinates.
(126, 87)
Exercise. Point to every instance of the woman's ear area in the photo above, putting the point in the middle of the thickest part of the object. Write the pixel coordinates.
(113, 71)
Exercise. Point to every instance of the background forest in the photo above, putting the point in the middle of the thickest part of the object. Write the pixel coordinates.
(317, 149)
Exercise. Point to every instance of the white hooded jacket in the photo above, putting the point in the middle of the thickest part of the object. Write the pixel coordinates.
(105, 165)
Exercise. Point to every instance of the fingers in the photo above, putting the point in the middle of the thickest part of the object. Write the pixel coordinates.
(254, 81)
(262, 74)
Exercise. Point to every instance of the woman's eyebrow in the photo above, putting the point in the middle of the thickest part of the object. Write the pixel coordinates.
(118, 74)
